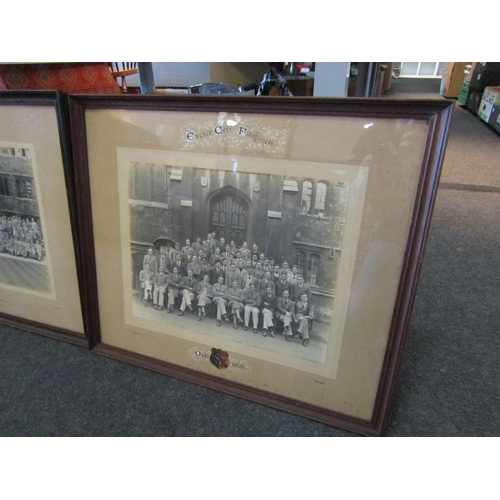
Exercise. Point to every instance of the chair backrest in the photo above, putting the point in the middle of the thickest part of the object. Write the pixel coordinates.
(123, 69)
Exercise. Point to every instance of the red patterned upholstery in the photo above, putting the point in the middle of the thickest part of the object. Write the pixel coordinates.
(83, 78)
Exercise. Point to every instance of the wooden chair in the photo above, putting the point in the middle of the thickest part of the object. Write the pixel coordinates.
(123, 69)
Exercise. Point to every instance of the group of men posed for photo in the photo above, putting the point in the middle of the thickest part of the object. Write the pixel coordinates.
(21, 237)
(236, 283)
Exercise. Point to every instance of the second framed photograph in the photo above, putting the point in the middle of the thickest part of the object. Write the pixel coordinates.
(268, 248)
(39, 245)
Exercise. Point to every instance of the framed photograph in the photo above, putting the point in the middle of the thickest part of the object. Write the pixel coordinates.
(39, 285)
(268, 248)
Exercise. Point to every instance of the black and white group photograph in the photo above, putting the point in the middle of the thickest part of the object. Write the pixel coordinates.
(253, 258)
(23, 258)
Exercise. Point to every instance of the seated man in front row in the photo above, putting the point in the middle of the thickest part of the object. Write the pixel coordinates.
(205, 295)
(160, 282)
(235, 302)
(251, 299)
(285, 312)
(146, 279)
(188, 289)
(220, 299)
(304, 312)
(268, 307)
(174, 288)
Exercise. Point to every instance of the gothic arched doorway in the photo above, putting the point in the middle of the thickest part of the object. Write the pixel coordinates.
(229, 214)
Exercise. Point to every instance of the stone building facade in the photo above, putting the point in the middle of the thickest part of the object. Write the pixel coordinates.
(18, 195)
(297, 219)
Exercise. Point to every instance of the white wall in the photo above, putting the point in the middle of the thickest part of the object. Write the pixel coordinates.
(331, 79)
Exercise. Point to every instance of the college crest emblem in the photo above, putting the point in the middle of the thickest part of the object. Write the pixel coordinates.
(219, 358)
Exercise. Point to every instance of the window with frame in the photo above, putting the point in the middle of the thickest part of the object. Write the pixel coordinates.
(9, 151)
(148, 182)
(308, 264)
(320, 201)
(4, 186)
(314, 198)
(307, 188)
(312, 268)
(301, 259)
(24, 189)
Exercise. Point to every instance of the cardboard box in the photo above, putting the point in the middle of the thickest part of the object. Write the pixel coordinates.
(300, 85)
(484, 75)
(387, 66)
(463, 97)
(491, 96)
(475, 100)
(454, 78)
(494, 120)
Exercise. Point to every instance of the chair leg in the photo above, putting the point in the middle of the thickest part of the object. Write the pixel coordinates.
(124, 86)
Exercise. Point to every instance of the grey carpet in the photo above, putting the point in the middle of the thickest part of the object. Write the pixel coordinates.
(448, 384)
(425, 87)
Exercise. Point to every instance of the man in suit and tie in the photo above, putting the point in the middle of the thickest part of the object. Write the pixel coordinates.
(251, 299)
(235, 302)
(188, 288)
(255, 259)
(299, 288)
(215, 257)
(268, 307)
(241, 274)
(204, 268)
(255, 251)
(232, 246)
(282, 284)
(220, 299)
(188, 256)
(231, 273)
(186, 246)
(293, 279)
(211, 243)
(146, 279)
(221, 243)
(266, 282)
(225, 267)
(206, 249)
(195, 267)
(258, 272)
(237, 257)
(304, 312)
(205, 296)
(246, 253)
(179, 264)
(250, 278)
(196, 246)
(225, 252)
(285, 312)
(215, 272)
(150, 259)
(163, 260)
(276, 273)
(173, 288)
(160, 285)
(266, 266)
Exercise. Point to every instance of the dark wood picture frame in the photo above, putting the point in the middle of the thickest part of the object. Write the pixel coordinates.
(59, 186)
(427, 123)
